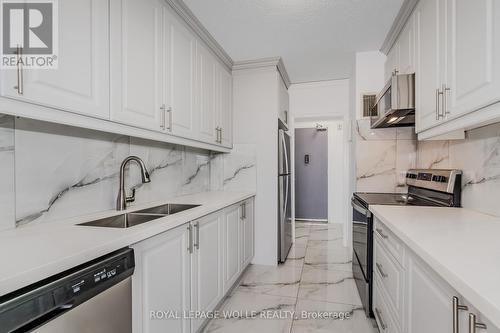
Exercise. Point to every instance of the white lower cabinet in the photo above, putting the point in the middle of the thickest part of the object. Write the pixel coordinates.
(161, 282)
(232, 264)
(247, 232)
(410, 297)
(206, 268)
(189, 269)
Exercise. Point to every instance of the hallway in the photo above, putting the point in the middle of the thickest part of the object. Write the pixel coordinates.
(315, 281)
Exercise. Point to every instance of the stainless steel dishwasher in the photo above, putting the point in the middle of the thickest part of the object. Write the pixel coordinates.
(94, 297)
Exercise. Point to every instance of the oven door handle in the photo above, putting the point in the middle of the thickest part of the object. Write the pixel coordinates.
(360, 209)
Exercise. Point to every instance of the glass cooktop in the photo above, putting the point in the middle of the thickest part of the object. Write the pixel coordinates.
(395, 199)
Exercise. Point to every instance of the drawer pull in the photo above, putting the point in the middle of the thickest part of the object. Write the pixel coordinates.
(383, 326)
(381, 233)
(473, 324)
(381, 270)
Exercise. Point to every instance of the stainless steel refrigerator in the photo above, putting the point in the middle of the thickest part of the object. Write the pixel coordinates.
(284, 200)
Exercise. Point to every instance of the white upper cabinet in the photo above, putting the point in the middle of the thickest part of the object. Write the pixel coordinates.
(80, 84)
(474, 55)
(457, 65)
(137, 66)
(406, 46)
(180, 77)
(207, 94)
(225, 106)
(392, 62)
(428, 75)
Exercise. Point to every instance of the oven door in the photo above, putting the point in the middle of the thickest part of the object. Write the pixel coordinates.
(362, 236)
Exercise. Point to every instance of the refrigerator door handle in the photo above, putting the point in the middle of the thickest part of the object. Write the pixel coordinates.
(285, 154)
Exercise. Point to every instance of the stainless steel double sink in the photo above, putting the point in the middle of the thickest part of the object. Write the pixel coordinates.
(131, 219)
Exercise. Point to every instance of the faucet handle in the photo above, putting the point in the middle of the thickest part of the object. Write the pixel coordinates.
(132, 197)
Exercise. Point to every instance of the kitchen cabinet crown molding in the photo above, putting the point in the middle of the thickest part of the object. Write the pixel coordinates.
(272, 62)
(192, 21)
(399, 22)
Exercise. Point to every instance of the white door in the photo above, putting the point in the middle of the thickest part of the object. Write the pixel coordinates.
(428, 75)
(80, 84)
(180, 77)
(474, 49)
(407, 48)
(225, 106)
(207, 265)
(137, 62)
(161, 282)
(206, 93)
(231, 246)
(247, 227)
(429, 301)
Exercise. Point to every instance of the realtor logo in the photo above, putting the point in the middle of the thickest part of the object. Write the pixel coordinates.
(29, 34)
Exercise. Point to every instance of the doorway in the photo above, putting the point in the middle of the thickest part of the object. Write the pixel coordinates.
(311, 173)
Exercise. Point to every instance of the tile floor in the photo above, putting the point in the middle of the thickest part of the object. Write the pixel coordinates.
(315, 280)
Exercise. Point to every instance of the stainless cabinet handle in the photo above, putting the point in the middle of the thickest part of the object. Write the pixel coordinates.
(444, 91)
(220, 131)
(473, 324)
(456, 308)
(162, 118)
(217, 134)
(190, 240)
(381, 270)
(437, 104)
(383, 326)
(170, 125)
(243, 211)
(286, 116)
(20, 79)
(381, 233)
(197, 239)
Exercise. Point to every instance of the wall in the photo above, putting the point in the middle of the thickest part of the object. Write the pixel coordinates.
(369, 76)
(322, 99)
(51, 172)
(329, 103)
(383, 156)
(255, 105)
(479, 158)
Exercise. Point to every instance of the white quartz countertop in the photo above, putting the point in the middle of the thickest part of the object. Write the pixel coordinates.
(461, 245)
(31, 253)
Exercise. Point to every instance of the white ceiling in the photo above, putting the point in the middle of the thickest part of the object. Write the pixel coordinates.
(316, 38)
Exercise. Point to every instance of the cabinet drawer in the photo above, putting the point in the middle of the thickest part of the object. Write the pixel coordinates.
(393, 245)
(381, 310)
(391, 277)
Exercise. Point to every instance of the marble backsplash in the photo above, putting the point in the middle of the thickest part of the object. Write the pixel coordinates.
(383, 156)
(50, 172)
(478, 156)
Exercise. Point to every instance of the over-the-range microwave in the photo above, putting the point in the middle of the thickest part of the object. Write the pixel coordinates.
(395, 104)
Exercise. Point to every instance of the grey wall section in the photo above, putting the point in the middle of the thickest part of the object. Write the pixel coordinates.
(311, 179)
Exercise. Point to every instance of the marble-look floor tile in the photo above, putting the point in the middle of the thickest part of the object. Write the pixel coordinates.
(341, 318)
(340, 255)
(250, 312)
(297, 251)
(319, 284)
(325, 234)
(282, 280)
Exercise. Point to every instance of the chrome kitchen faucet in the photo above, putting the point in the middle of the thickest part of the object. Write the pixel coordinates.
(123, 199)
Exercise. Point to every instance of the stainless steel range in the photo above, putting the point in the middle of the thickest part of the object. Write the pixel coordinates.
(440, 188)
